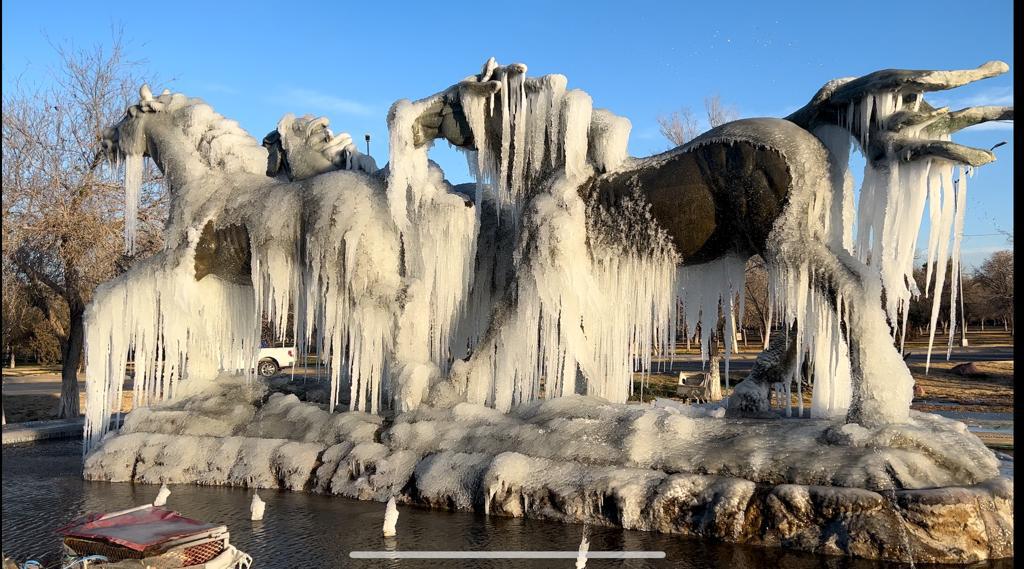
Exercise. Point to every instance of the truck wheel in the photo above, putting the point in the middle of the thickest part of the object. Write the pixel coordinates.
(268, 368)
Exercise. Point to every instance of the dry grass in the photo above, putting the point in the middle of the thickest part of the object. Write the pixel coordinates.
(664, 385)
(990, 391)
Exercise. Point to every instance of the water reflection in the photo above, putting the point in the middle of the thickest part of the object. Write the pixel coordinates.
(43, 489)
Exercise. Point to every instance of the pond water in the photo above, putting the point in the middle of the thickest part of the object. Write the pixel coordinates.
(43, 490)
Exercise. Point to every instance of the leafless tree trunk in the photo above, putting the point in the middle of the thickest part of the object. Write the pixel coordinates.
(718, 113)
(679, 127)
(682, 126)
(758, 304)
(714, 374)
(72, 357)
(994, 279)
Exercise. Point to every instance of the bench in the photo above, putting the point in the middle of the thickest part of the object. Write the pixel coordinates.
(695, 389)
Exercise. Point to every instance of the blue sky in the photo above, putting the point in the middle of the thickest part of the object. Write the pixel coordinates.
(255, 61)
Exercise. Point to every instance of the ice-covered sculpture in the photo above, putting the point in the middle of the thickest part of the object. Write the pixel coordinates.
(561, 274)
(304, 147)
(775, 187)
(230, 260)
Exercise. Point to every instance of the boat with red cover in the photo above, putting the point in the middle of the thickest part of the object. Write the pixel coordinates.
(149, 537)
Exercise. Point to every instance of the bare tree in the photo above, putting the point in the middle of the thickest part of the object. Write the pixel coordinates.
(682, 126)
(719, 113)
(63, 218)
(758, 304)
(19, 315)
(995, 280)
(976, 306)
(679, 127)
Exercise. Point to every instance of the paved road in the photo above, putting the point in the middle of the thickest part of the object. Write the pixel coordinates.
(49, 383)
(979, 354)
(38, 384)
(744, 361)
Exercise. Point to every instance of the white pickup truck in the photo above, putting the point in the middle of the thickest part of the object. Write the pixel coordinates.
(271, 360)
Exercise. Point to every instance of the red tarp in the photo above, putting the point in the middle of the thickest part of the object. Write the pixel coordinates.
(136, 529)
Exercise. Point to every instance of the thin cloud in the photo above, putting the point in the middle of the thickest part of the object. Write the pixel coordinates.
(309, 100)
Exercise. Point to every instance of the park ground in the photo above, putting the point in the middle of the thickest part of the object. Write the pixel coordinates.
(988, 386)
(984, 395)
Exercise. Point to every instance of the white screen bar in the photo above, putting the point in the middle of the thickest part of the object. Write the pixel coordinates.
(506, 554)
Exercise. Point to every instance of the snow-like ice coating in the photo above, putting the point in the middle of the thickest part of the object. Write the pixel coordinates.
(390, 518)
(257, 507)
(161, 496)
(235, 432)
(424, 296)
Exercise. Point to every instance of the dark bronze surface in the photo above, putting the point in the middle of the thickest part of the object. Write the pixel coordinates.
(716, 199)
(224, 252)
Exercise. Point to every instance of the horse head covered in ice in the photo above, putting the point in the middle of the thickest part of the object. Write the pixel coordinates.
(562, 275)
(304, 147)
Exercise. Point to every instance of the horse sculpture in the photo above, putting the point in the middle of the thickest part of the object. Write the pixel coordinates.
(195, 307)
(560, 273)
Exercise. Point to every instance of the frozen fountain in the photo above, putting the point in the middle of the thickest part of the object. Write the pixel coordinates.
(484, 340)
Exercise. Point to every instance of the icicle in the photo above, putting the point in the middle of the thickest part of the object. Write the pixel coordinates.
(257, 507)
(473, 105)
(132, 187)
(556, 84)
(161, 496)
(390, 518)
(901, 224)
(538, 103)
(177, 328)
(944, 227)
(609, 137)
(623, 299)
(575, 129)
(519, 123)
(704, 289)
(789, 395)
(960, 187)
(504, 193)
(864, 116)
(581, 556)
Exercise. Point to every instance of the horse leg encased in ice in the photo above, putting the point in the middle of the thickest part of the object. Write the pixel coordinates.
(881, 384)
(751, 397)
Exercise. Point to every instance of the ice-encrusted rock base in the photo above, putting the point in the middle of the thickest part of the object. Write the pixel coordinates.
(927, 491)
